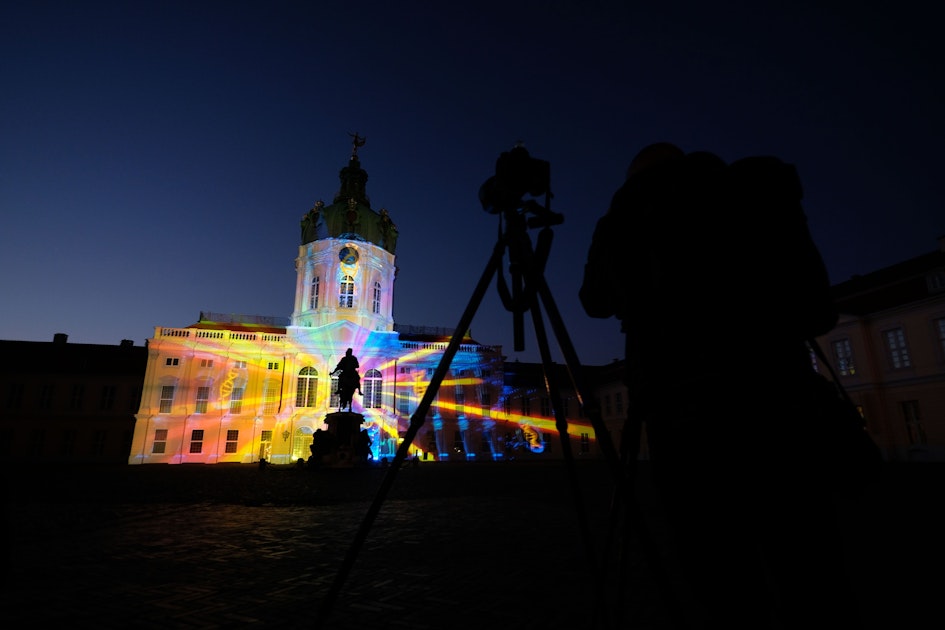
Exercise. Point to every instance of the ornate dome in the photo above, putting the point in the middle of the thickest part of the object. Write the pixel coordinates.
(350, 215)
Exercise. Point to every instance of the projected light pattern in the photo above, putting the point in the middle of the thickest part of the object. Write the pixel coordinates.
(216, 395)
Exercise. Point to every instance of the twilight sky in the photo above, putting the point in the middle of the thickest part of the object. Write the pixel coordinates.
(156, 157)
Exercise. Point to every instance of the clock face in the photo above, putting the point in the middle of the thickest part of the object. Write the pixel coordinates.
(348, 255)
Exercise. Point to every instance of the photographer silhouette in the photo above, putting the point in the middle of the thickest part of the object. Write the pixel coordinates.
(717, 283)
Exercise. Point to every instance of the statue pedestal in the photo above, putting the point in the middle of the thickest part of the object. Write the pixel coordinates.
(345, 430)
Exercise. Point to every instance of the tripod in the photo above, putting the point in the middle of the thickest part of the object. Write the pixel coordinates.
(529, 292)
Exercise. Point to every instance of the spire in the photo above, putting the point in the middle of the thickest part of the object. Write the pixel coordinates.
(353, 177)
(357, 141)
(350, 215)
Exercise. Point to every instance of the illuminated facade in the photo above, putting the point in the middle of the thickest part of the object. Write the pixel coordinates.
(888, 350)
(240, 389)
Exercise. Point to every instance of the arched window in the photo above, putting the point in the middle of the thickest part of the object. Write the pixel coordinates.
(300, 441)
(376, 303)
(313, 296)
(307, 386)
(372, 387)
(346, 292)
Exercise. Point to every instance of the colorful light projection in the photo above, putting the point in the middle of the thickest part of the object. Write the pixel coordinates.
(256, 376)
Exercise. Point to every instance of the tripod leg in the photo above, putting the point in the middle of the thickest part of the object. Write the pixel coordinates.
(554, 393)
(416, 421)
(604, 438)
(623, 467)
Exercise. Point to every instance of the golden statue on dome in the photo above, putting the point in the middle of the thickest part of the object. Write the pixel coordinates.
(358, 141)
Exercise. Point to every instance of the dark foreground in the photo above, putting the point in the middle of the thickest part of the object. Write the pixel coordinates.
(453, 546)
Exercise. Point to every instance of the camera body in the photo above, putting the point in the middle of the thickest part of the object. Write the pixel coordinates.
(516, 174)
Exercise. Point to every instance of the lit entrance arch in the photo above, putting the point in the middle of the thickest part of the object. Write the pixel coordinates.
(301, 441)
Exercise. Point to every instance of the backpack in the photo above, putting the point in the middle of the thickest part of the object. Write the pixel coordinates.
(726, 246)
(781, 268)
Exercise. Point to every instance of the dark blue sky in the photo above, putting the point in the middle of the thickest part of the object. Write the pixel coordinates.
(156, 156)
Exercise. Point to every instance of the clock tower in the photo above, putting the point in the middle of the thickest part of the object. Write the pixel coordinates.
(345, 266)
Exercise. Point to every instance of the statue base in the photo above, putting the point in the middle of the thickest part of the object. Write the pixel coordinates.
(341, 446)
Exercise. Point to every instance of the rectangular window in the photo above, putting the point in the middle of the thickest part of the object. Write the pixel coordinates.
(346, 293)
(313, 296)
(485, 446)
(458, 438)
(545, 405)
(896, 347)
(914, 428)
(935, 281)
(46, 396)
(526, 406)
(68, 443)
(271, 399)
(403, 403)
(843, 355)
(78, 394)
(37, 442)
(108, 397)
(196, 441)
(206, 363)
(172, 362)
(585, 443)
(376, 300)
(236, 400)
(167, 397)
(98, 444)
(607, 411)
(232, 439)
(160, 441)
(372, 390)
(203, 400)
(273, 365)
(15, 398)
(305, 390)
(265, 436)
(335, 398)
(507, 406)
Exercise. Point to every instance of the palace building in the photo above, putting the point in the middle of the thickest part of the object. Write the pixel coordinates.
(242, 389)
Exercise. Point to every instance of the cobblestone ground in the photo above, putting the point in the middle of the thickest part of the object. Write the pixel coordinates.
(452, 546)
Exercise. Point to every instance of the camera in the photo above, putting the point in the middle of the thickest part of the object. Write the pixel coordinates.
(516, 173)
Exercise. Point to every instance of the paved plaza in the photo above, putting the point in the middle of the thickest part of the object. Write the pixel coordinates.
(452, 546)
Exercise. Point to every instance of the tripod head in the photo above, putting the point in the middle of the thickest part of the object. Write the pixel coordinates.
(516, 174)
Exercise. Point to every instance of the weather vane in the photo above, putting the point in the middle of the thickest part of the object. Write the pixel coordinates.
(358, 142)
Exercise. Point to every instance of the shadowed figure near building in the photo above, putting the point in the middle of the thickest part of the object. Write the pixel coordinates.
(322, 445)
(713, 273)
(349, 381)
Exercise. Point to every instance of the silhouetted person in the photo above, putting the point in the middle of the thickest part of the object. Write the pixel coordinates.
(319, 447)
(349, 380)
(363, 449)
(719, 374)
